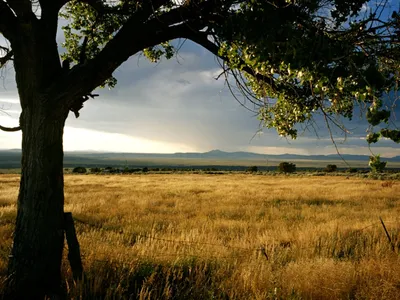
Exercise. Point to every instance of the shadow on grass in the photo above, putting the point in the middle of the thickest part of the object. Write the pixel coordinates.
(108, 280)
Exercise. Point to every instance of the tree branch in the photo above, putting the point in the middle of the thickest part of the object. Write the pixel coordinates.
(7, 21)
(201, 39)
(138, 33)
(96, 71)
(10, 129)
(22, 8)
(49, 14)
(148, 7)
(7, 57)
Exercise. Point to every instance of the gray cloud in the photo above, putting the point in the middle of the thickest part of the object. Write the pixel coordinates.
(171, 102)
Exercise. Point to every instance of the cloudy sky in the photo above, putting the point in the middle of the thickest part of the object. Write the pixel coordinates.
(177, 106)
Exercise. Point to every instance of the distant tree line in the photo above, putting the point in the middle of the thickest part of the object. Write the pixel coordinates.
(375, 165)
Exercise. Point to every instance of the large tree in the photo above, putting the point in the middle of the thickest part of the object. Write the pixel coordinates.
(291, 58)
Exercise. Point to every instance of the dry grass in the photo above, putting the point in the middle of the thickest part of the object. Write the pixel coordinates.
(227, 236)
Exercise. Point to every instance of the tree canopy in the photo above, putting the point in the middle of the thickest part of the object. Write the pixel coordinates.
(292, 59)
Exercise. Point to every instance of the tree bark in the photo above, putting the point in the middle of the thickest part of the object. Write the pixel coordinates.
(35, 262)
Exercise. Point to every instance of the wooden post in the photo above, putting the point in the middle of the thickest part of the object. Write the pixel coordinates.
(387, 234)
(74, 253)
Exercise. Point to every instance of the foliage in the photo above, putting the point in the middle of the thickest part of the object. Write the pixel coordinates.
(131, 170)
(287, 167)
(376, 164)
(297, 60)
(95, 170)
(252, 169)
(307, 66)
(330, 168)
(79, 170)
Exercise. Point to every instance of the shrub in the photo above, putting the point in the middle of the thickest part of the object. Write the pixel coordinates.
(287, 167)
(132, 170)
(352, 170)
(145, 169)
(252, 169)
(79, 170)
(95, 170)
(330, 168)
(376, 164)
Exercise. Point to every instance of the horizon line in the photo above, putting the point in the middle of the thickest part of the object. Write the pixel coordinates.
(205, 152)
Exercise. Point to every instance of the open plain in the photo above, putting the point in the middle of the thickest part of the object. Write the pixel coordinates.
(231, 236)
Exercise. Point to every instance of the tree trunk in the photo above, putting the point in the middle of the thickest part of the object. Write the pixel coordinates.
(35, 263)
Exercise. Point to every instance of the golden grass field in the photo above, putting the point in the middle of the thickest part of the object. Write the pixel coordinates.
(232, 236)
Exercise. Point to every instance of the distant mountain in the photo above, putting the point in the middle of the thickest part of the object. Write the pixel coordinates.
(11, 159)
(250, 155)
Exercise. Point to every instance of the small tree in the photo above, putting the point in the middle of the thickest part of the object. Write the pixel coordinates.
(79, 170)
(252, 169)
(376, 164)
(287, 167)
(95, 170)
(330, 168)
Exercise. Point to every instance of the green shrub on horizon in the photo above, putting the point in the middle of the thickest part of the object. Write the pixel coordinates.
(79, 170)
(95, 170)
(252, 169)
(286, 167)
(376, 165)
(330, 168)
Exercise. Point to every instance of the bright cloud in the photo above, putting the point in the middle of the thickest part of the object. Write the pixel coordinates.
(85, 139)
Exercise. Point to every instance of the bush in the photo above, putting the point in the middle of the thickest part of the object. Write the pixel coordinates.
(95, 170)
(330, 168)
(79, 170)
(145, 169)
(376, 164)
(132, 170)
(252, 169)
(352, 170)
(287, 167)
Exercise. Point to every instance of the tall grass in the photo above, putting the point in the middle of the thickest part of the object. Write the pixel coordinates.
(188, 236)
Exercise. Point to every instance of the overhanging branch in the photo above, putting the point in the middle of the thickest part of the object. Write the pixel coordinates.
(135, 35)
(147, 7)
(138, 33)
(202, 39)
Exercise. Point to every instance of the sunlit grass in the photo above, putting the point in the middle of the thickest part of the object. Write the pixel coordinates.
(237, 236)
